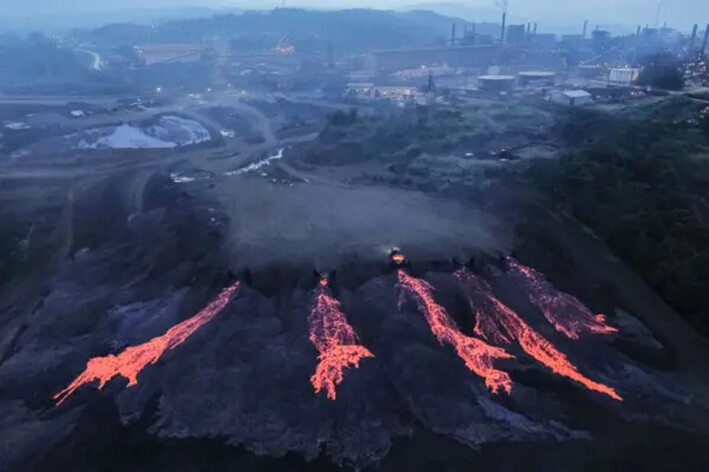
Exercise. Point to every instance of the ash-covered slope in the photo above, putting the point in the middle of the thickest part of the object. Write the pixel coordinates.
(239, 383)
(124, 282)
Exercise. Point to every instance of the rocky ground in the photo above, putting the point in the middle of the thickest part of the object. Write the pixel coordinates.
(129, 256)
(237, 391)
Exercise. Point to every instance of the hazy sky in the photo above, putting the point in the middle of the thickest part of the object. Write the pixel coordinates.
(678, 13)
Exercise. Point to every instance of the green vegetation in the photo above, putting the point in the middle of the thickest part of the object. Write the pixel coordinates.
(37, 58)
(636, 184)
(341, 118)
(435, 130)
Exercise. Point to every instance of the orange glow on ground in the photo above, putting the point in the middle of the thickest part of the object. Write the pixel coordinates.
(497, 323)
(335, 341)
(133, 359)
(478, 355)
(566, 313)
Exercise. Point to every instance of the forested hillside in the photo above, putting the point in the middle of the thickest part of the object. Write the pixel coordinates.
(641, 183)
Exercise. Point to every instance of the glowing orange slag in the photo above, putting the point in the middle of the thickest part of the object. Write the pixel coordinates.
(397, 258)
(497, 323)
(133, 359)
(477, 354)
(335, 341)
(568, 315)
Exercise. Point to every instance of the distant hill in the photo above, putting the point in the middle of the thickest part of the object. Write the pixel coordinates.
(567, 20)
(347, 30)
(77, 17)
(444, 22)
(459, 10)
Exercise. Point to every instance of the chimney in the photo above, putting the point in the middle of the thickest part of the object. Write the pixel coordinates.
(706, 38)
(693, 38)
(504, 23)
(585, 28)
(529, 28)
(535, 29)
(453, 34)
(638, 32)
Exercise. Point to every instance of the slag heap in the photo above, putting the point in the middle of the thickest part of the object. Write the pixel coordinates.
(335, 341)
(568, 315)
(134, 359)
(477, 354)
(497, 323)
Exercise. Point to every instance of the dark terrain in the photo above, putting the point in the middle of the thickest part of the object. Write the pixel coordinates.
(490, 281)
(127, 266)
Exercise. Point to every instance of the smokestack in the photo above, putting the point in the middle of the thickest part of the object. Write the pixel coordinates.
(453, 34)
(639, 28)
(706, 38)
(585, 28)
(529, 28)
(693, 38)
(535, 29)
(504, 22)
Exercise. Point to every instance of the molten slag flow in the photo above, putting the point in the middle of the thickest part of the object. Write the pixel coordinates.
(335, 341)
(568, 315)
(497, 323)
(477, 354)
(397, 258)
(133, 359)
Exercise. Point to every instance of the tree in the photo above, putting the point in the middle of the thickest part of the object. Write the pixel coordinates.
(640, 190)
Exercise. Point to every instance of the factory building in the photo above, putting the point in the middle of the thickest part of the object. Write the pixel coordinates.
(571, 98)
(391, 60)
(600, 36)
(545, 41)
(591, 71)
(369, 91)
(538, 78)
(624, 76)
(516, 34)
(496, 83)
(572, 40)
